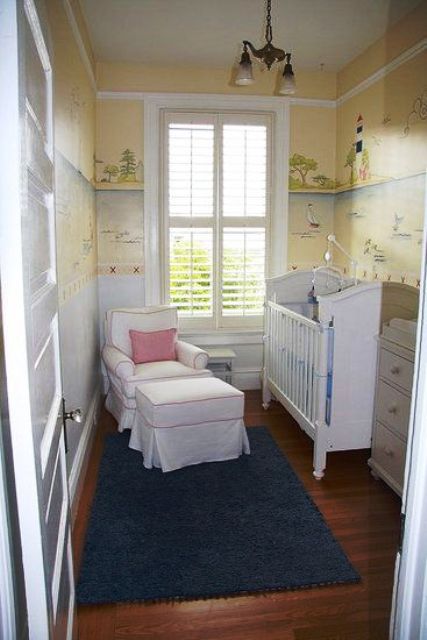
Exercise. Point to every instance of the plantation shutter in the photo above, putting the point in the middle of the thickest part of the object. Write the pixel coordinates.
(216, 203)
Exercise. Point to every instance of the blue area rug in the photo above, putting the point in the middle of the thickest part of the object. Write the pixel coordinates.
(211, 530)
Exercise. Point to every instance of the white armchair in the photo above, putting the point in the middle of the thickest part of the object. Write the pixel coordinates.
(124, 375)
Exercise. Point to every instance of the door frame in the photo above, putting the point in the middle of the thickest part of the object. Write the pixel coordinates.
(14, 328)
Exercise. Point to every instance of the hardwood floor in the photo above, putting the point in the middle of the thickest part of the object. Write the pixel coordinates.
(363, 514)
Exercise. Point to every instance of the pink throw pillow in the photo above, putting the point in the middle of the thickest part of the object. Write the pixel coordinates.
(153, 346)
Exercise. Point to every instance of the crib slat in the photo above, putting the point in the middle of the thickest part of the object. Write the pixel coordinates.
(297, 360)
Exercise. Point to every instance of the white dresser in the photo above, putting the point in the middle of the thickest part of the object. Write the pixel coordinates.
(393, 402)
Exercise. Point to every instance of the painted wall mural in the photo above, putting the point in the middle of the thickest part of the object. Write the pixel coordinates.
(304, 175)
(380, 170)
(311, 220)
(120, 238)
(418, 112)
(312, 149)
(126, 170)
(385, 233)
(77, 254)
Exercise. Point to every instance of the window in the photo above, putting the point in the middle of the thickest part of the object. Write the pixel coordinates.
(216, 181)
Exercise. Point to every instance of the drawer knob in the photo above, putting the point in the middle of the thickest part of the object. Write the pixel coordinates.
(389, 452)
(392, 409)
(395, 369)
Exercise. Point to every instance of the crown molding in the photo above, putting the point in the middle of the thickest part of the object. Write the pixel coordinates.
(79, 42)
(313, 102)
(404, 57)
(199, 98)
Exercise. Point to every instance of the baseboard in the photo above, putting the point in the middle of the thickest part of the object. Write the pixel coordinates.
(81, 458)
(246, 378)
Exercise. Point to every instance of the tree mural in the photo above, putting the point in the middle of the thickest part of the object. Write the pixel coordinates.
(301, 165)
(351, 162)
(324, 182)
(111, 170)
(128, 166)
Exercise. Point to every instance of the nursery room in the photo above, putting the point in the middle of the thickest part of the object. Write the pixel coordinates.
(212, 319)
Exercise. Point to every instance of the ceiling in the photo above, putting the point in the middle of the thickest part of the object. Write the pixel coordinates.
(208, 33)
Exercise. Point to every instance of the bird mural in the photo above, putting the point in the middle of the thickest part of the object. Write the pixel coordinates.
(397, 221)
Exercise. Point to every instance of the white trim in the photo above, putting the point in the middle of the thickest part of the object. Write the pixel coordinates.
(59, 558)
(384, 71)
(7, 600)
(262, 100)
(152, 263)
(14, 328)
(37, 31)
(72, 601)
(313, 102)
(409, 614)
(215, 338)
(279, 214)
(79, 42)
(197, 101)
(82, 449)
(153, 104)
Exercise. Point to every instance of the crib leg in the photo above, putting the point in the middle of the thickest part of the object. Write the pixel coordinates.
(266, 394)
(320, 451)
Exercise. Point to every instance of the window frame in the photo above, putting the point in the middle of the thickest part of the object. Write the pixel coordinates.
(154, 107)
(216, 222)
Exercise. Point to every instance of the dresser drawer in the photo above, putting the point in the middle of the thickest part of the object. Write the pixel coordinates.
(389, 452)
(396, 369)
(393, 408)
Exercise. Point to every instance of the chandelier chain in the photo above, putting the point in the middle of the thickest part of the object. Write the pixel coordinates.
(268, 29)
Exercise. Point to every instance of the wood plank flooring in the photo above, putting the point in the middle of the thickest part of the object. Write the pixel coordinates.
(363, 514)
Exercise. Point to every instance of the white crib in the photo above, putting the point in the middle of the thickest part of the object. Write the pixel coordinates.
(320, 358)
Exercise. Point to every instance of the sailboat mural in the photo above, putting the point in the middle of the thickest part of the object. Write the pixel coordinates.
(311, 216)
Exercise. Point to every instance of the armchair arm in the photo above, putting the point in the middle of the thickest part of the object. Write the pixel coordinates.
(118, 362)
(190, 355)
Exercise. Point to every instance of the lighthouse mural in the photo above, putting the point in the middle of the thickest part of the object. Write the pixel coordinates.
(361, 153)
(359, 135)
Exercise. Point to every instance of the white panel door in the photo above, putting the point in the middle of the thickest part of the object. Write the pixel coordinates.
(30, 314)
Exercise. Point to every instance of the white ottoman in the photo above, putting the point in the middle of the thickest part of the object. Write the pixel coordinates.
(184, 422)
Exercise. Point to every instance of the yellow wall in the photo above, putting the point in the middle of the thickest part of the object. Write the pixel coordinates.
(119, 126)
(139, 77)
(74, 120)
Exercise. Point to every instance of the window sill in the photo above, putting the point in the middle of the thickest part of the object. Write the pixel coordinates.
(222, 337)
(226, 330)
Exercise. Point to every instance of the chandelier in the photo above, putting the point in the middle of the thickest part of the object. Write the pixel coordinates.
(268, 55)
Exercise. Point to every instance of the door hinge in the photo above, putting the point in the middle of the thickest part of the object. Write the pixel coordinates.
(402, 531)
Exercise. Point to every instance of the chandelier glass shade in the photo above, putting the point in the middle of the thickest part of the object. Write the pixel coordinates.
(268, 55)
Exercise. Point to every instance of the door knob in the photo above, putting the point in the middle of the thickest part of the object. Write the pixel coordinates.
(75, 415)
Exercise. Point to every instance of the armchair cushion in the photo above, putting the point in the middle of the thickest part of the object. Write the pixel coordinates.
(153, 346)
(118, 362)
(158, 371)
(191, 355)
